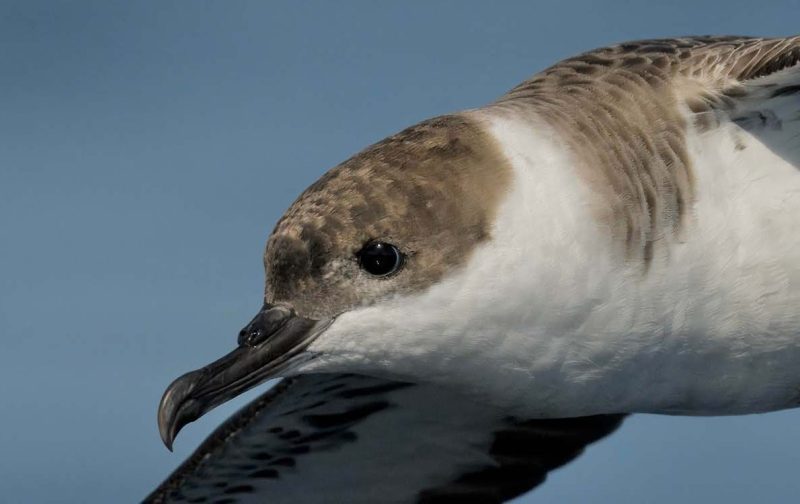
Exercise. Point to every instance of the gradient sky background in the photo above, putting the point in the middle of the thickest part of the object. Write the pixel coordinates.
(146, 150)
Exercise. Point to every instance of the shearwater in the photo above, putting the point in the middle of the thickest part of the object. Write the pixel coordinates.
(465, 305)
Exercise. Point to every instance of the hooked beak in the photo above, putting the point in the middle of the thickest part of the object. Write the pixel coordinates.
(268, 345)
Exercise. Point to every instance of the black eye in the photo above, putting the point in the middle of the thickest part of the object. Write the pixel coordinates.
(380, 258)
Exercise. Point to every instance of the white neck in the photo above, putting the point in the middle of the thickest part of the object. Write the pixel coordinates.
(549, 320)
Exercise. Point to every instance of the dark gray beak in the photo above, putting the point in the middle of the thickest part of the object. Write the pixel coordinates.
(267, 346)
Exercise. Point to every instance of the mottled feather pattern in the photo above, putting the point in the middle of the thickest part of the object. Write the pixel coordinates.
(619, 110)
(525, 451)
(274, 450)
(439, 180)
(678, 158)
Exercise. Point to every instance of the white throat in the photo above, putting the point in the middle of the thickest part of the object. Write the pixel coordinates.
(548, 320)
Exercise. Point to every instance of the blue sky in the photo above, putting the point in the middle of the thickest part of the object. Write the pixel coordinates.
(146, 150)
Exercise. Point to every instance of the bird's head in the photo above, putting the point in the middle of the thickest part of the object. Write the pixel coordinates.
(365, 271)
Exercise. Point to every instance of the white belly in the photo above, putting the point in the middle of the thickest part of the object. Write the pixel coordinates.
(547, 318)
(730, 305)
(712, 328)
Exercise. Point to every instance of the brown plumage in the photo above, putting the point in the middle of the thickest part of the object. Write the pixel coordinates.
(619, 111)
(438, 182)
(624, 114)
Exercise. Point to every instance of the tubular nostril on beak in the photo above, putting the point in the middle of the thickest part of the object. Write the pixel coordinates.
(264, 324)
(250, 336)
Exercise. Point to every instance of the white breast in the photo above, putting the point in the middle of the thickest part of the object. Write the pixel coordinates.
(548, 319)
(712, 328)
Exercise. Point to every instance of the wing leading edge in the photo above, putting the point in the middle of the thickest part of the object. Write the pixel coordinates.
(351, 438)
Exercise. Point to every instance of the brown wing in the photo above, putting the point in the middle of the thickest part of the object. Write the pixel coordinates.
(622, 112)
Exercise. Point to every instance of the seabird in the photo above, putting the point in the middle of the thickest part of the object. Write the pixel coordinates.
(467, 304)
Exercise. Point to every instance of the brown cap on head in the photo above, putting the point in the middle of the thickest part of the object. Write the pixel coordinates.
(431, 190)
(428, 193)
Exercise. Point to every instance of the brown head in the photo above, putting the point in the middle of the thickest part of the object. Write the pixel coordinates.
(430, 191)
(599, 149)
(392, 220)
